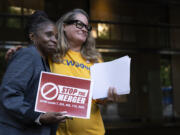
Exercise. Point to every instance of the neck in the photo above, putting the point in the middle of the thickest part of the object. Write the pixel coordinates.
(44, 57)
(75, 47)
(41, 53)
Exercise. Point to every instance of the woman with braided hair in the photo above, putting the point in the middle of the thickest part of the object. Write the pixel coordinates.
(20, 82)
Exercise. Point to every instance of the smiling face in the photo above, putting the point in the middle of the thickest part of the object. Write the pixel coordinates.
(77, 35)
(46, 39)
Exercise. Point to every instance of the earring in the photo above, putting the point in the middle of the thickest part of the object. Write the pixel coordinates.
(34, 42)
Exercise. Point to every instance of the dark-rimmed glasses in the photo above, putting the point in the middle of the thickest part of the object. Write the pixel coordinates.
(79, 24)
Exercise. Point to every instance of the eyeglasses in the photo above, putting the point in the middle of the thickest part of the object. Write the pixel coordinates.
(79, 24)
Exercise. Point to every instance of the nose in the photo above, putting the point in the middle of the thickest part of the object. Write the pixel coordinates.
(84, 29)
(54, 39)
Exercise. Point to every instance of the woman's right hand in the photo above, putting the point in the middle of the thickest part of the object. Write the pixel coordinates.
(52, 117)
(11, 51)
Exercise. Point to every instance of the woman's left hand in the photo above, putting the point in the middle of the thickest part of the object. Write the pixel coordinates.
(112, 95)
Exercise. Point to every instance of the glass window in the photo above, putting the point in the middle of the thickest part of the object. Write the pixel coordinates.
(14, 22)
(166, 86)
(116, 32)
(94, 30)
(103, 31)
(28, 11)
(129, 34)
(15, 10)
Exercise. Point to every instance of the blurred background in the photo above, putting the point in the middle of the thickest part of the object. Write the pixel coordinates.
(146, 30)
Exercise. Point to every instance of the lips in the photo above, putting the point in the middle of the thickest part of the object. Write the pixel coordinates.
(52, 45)
(83, 34)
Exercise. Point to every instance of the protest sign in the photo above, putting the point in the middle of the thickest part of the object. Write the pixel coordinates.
(57, 93)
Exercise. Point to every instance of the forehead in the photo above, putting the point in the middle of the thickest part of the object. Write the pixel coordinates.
(47, 27)
(82, 18)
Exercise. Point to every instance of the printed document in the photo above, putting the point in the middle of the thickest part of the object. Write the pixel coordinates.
(115, 73)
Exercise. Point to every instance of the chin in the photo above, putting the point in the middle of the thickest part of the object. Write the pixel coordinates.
(82, 40)
(52, 47)
(51, 50)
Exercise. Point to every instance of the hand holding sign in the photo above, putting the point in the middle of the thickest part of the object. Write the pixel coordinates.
(52, 117)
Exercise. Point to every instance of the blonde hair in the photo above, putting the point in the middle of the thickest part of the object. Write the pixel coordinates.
(88, 49)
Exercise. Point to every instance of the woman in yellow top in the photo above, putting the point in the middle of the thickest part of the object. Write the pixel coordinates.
(76, 53)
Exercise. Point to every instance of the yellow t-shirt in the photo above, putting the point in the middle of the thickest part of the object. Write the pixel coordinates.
(74, 65)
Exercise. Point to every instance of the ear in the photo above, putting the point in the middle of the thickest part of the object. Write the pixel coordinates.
(64, 26)
(31, 36)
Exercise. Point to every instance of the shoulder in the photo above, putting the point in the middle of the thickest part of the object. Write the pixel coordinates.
(25, 56)
(29, 51)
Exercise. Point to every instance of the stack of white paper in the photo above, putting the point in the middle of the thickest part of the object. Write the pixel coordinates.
(115, 73)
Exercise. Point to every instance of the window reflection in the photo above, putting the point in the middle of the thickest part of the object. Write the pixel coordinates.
(166, 86)
(20, 10)
(115, 32)
(28, 11)
(94, 33)
(17, 21)
(15, 10)
(103, 30)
